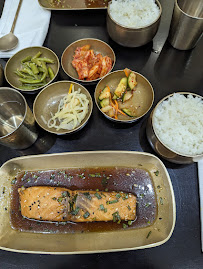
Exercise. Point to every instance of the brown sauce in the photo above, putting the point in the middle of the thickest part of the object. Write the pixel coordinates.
(131, 180)
(72, 4)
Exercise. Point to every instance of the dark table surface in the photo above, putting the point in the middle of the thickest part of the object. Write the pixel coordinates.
(168, 70)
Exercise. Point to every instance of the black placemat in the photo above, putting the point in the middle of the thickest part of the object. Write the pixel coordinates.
(1, 6)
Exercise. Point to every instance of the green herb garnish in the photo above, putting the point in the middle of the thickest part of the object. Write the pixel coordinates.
(76, 211)
(102, 208)
(86, 215)
(60, 199)
(125, 226)
(74, 198)
(87, 195)
(116, 216)
(161, 201)
(125, 196)
(148, 235)
(53, 198)
(112, 202)
(65, 194)
(104, 181)
(129, 208)
(156, 173)
(118, 195)
(92, 175)
(98, 195)
(130, 222)
(82, 176)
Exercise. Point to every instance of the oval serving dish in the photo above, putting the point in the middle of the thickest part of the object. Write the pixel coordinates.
(152, 235)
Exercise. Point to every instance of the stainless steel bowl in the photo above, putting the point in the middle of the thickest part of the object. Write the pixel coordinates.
(14, 63)
(17, 124)
(132, 37)
(48, 100)
(143, 97)
(95, 44)
(163, 150)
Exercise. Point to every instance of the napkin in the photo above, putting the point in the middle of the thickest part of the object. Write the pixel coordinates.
(200, 175)
(31, 26)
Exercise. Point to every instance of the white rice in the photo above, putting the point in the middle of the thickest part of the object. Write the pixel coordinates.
(178, 122)
(134, 13)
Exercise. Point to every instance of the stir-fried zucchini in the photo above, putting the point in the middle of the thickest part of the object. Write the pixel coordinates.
(122, 86)
(105, 93)
(132, 81)
(129, 111)
(104, 102)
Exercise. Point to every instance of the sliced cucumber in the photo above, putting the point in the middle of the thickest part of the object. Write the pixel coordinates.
(106, 109)
(115, 97)
(129, 112)
(132, 80)
(111, 112)
(105, 93)
(126, 96)
(104, 102)
(121, 87)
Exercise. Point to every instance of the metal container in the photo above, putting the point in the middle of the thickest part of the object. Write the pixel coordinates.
(98, 46)
(142, 99)
(132, 37)
(47, 101)
(17, 124)
(89, 242)
(14, 63)
(163, 150)
(187, 24)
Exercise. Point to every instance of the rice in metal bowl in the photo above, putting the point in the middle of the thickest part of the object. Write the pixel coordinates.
(134, 13)
(178, 123)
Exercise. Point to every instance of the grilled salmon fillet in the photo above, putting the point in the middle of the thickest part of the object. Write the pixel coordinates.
(61, 204)
(44, 203)
(103, 206)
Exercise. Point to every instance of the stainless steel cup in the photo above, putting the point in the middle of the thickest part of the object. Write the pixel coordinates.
(187, 24)
(17, 124)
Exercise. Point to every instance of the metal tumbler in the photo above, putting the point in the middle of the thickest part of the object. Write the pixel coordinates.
(186, 24)
(17, 124)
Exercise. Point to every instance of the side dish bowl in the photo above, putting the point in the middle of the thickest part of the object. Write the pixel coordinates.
(98, 46)
(142, 100)
(160, 147)
(131, 36)
(14, 64)
(47, 102)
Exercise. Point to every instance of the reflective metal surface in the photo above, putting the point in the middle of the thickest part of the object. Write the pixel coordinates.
(10, 41)
(187, 24)
(17, 124)
(98, 46)
(48, 100)
(90, 242)
(132, 37)
(163, 150)
(73, 4)
(142, 99)
(14, 63)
